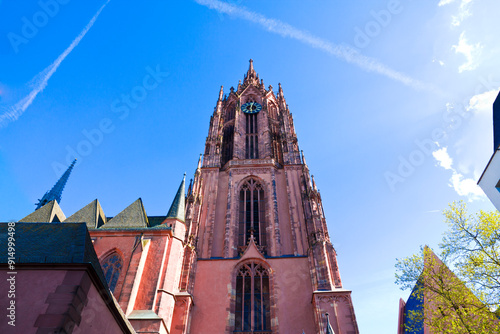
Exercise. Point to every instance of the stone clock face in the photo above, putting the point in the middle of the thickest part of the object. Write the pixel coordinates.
(251, 108)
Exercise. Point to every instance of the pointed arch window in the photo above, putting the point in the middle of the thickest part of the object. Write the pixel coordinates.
(251, 138)
(227, 144)
(230, 112)
(112, 266)
(253, 307)
(252, 215)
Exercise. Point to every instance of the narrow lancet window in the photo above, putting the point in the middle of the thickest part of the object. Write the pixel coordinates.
(227, 144)
(251, 140)
(253, 307)
(252, 215)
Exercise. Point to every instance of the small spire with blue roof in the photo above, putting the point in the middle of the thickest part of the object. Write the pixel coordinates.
(56, 191)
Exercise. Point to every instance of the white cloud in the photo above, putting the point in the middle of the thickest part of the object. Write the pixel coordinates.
(466, 187)
(463, 11)
(445, 2)
(39, 82)
(470, 51)
(482, 103)
(475, 143)
(440, 62)
(343, 52)
(443, 158)
(463, 186)
(474, 146)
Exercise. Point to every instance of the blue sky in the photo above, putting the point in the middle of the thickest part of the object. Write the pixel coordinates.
(391, 101)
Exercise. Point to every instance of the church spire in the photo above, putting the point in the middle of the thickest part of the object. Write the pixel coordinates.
(251, 76)
(250, 68)
(329, 329)
(56, 191)
(177, 209)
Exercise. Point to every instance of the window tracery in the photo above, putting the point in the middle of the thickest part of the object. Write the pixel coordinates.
(112, 266)
(253, 307)
(252, 214)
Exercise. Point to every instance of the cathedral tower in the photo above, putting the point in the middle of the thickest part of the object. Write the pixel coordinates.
(257, 257)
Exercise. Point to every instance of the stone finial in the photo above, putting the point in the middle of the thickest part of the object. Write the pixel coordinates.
(280, 92)
(221, 93)
(190, 188)
(314, 183)
(303, 158)
(199, 162)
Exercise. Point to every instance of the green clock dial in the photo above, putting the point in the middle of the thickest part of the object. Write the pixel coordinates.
(251, 108)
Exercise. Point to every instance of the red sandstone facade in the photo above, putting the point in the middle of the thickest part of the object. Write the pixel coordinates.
(251, 252)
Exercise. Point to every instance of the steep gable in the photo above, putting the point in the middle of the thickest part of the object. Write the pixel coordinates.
(50, 212)
(133, 216)
(91, 214)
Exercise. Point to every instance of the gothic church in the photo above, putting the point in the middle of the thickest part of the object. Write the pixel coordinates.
(246, 250)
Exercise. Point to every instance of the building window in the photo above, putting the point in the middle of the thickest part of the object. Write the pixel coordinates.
(251, 140)
(252, 215)
(276, 142)
(111, 266)
(253, 308)
(230, 113)
(227, 144)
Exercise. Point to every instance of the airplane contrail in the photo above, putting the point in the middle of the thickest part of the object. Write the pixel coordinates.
(343, 52)
(39, 82)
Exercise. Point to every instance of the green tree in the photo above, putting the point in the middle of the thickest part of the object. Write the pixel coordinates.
(459, 302)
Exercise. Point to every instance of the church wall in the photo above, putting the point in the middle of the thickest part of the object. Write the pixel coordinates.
(50, 298)
(170, 283)
(209, 191)
(294, 176)
(220, 216)
(96, 317)
(128, 245)
(284, 215)
(27, 290)
(291, 288)
(123, 245)
(151, 276)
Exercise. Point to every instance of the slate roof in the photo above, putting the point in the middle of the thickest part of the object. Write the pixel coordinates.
(177, 209)
(92, 214)
(48, 243)
(52, 243)
(50, 212)
(329, 329)
(133, 216)
(156, 220)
